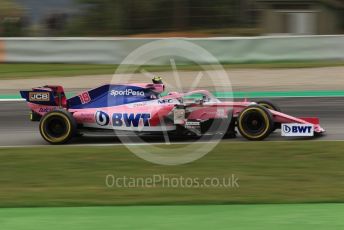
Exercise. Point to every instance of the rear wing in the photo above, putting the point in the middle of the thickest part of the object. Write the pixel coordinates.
(46, 95)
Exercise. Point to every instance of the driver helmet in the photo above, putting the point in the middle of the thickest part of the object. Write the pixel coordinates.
(157, 80)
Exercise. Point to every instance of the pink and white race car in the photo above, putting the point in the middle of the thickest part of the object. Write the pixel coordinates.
(140, 108)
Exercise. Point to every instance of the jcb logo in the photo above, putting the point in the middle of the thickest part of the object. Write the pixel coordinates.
(39, 96)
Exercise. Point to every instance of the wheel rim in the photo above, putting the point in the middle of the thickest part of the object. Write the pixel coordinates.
(254, 123)
(56, 127)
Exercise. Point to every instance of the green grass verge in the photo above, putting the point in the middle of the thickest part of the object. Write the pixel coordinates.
(15, 71)
(268, 172)
(239, 217)
(34, 70)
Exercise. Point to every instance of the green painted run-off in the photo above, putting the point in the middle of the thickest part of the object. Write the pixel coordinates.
(240, 217)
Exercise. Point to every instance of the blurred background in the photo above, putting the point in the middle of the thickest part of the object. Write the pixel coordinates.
(168, 18)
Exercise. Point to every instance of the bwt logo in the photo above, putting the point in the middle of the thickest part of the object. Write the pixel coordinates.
(130, 119)
(102, 118)
(295, 129)
(127, 92)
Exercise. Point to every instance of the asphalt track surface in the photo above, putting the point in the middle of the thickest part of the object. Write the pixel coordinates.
(17, 130)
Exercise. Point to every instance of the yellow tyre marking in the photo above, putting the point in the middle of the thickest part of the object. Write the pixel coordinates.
(266, 122)
(52, 139)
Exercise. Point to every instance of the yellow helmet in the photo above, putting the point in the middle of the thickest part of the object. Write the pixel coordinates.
(157, 80)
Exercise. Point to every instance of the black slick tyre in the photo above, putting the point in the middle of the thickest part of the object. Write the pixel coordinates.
(255, 123)
(35, 116)
(269, 105)
(57, 126)
(272, 106)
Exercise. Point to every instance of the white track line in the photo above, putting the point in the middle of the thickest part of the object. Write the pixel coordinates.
(8, 100)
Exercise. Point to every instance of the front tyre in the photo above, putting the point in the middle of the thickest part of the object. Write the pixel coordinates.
(272, 106)
(255, 123)
(57, 126)
(269, 105)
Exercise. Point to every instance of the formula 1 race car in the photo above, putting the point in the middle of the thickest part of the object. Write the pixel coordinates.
(141, 109)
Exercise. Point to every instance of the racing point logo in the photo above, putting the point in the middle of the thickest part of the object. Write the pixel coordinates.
(169, 127)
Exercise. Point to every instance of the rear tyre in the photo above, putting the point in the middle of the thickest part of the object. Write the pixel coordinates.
(57, 127)
(35, 116)
(255, 123)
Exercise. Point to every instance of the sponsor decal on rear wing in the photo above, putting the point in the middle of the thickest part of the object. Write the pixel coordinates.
(39, 97)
